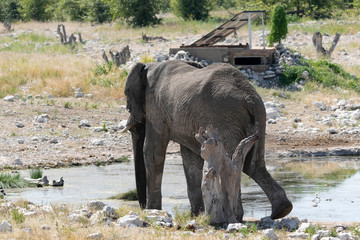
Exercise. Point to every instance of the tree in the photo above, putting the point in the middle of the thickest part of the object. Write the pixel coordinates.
(36, 9)
(9, 10)
(73, 10)
(278, 25)
(99, 11)
(138, 13)
(192, 10)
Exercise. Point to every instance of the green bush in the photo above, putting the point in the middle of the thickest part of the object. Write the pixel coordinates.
(8, 180)
(137, 13)
(38, 10)
(99, 11)
(74, 10)
(192, 10)
(9, 9)
(17, 216)
(36, 173)
(322, 71)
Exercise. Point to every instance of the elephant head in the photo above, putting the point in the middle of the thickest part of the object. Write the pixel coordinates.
(135, 95)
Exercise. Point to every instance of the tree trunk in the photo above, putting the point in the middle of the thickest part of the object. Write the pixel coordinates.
(221, 184)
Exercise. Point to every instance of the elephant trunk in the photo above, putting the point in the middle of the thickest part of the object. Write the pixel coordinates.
(138, 137)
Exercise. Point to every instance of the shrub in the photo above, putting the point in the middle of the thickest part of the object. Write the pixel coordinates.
(9, 9)
(35, 10)
(99, 11)
(137, 13)
(17, 216)
(74, 10)
(36, 173)
(192, 10)
(8, 180)
(278, 25)
(322, 71)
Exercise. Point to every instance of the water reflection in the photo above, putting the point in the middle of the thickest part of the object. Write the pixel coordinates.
(325, 189)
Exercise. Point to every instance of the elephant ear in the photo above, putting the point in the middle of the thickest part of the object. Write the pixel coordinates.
(135, 91)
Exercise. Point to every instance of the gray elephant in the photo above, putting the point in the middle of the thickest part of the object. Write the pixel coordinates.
(171, 101)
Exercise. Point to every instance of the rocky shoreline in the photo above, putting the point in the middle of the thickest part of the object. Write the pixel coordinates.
(97, 213)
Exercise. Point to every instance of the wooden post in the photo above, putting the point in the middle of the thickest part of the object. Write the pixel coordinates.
(221, 184)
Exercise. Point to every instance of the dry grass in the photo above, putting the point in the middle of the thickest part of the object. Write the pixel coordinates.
(59, 227)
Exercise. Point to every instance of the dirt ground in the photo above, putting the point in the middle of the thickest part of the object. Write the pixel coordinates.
(61, 141)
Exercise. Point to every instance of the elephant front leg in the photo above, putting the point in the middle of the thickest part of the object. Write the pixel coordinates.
(154, 151)
(193, 168)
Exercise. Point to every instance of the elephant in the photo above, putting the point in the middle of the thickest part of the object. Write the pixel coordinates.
(170, 101)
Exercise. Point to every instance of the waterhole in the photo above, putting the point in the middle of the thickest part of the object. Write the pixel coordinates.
(321, 189)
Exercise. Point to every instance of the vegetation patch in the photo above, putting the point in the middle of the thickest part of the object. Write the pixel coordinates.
(36, 173)
(130, 195)
(8, 180)
(322, 71)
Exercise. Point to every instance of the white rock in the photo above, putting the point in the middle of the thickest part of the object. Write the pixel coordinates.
(305, 75)
(298, 235)
(270, 234)
(19, 124)
(122, 124)
(84, 123)
(54, 141)
(131, 220)
(344, 236)
(319, 105)
(291, 223)
(9, 98)
(5, 226)
(98, 142)
(94, 236)
(96, 205)
(17, 161)
(109, 211)
(45, 227)
(303, 227)
(232, 227)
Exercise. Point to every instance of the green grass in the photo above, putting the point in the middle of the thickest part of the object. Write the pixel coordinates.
(36, 173)
(16, 216)
(34, 43)
(8, 180)
(130, 195)
(330, 26)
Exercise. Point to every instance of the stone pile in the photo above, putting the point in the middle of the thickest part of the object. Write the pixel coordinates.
(268, 79)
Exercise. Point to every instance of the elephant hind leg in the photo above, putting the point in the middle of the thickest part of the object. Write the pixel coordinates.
(280, 204)
(193, 168)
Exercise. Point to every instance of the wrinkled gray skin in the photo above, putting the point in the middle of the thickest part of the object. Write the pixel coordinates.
(171, 101)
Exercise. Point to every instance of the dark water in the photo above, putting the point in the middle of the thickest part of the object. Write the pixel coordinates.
(322, 189)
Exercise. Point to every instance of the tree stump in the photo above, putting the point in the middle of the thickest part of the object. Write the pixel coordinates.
(63, 38)
(317, 42)
(7, 25)
(221, 184)
(119, 57)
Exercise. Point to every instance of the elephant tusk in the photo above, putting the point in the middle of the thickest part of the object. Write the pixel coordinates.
(126, 129)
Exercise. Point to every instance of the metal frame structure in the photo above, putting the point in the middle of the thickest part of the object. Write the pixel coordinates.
(238, 55)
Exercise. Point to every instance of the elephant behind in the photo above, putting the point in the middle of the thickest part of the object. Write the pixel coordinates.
(171, 101)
